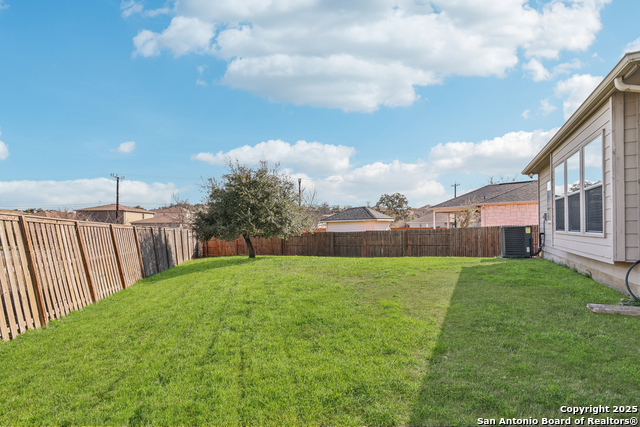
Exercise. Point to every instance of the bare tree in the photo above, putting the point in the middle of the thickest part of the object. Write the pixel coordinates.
(184, 212)
(501, 179)
(469, 214)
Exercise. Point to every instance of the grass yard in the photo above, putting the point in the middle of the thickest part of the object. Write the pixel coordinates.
(331, 341)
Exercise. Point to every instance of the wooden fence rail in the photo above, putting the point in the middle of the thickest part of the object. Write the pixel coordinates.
(454, 242)
(49, 268)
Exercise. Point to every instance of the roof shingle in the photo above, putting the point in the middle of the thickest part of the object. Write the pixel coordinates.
(361, 213)
(507, 192)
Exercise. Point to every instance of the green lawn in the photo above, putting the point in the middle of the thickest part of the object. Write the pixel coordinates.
(332, 341)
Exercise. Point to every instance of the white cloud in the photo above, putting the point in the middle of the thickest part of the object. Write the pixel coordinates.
(83, 193)
(525, 114)
(367, 183)
(633, 46)
(331, 169)
(338, 81)
(537, 70)
(539, 73)
(507, 154)
(546, 107)
(309, 157)
(126, 147)
(4, 150)
(201, 69)
(358, 56)
(184, 35)
(130, 7)
(201, 83)
(575, 90)
(565, 68)
(3, 5)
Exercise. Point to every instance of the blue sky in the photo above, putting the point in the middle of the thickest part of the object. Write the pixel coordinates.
(374, 97)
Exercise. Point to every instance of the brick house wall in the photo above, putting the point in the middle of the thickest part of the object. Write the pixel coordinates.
(510, 214)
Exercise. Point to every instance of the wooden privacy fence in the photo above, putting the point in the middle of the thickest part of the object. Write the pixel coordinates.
(457, 242)
(50, 267)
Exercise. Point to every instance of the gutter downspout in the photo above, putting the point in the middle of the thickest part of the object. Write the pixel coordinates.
(623, 87)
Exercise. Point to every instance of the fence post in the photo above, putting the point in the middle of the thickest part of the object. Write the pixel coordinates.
(365, 244)
(333, 250)
(404, 243)
(166, 247)
(118, 260)
(135, 235)
(35, 279)
(85, 262)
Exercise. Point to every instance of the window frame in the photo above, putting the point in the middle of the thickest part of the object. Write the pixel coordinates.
(583, 189)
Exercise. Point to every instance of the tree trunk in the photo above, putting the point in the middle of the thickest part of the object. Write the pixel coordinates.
(252, 253)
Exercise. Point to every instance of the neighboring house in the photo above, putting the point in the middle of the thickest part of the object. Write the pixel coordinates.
(508, 203)
(358, 219)
(426, 220)
(173, 217)
(11, 212)
(588, 181)
(56, 215)
(107, 213)
(421, 211)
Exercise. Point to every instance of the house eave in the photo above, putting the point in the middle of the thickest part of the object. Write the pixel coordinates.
(599, 95)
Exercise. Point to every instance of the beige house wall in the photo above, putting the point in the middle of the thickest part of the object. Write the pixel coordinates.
(594, 246)
(605, 257)
(129, 217)
(348, 226)
(110, 216)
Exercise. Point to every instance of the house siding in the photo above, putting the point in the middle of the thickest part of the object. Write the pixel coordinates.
(594, 247)
(349, 226)
(594, 256)
(631, 251)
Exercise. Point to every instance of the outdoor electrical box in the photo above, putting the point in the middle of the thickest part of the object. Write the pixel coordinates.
(516, 242)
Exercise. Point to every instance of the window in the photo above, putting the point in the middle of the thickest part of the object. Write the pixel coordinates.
(573, 191)
(578, 190)
(558, 175)
(592, 184)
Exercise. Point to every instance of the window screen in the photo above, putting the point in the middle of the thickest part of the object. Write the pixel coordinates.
(593, 210)
(574, 212)
(560, 214)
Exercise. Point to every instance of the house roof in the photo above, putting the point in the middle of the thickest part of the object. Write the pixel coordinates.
(507, 192)
(625, 68)
(428, 218)
(56, 214)
(170, 210)
(361, 213)
(161, 219)
(112, 207)
(11, 212)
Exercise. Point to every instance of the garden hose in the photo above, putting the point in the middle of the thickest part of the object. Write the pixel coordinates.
(626, 281)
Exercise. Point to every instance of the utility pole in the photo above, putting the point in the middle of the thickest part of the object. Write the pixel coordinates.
(455, 187)
(118, 178)
(299, 191)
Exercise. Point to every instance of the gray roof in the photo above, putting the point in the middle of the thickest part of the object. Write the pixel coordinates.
(428, 217)
(362, 213)
(507, 192)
